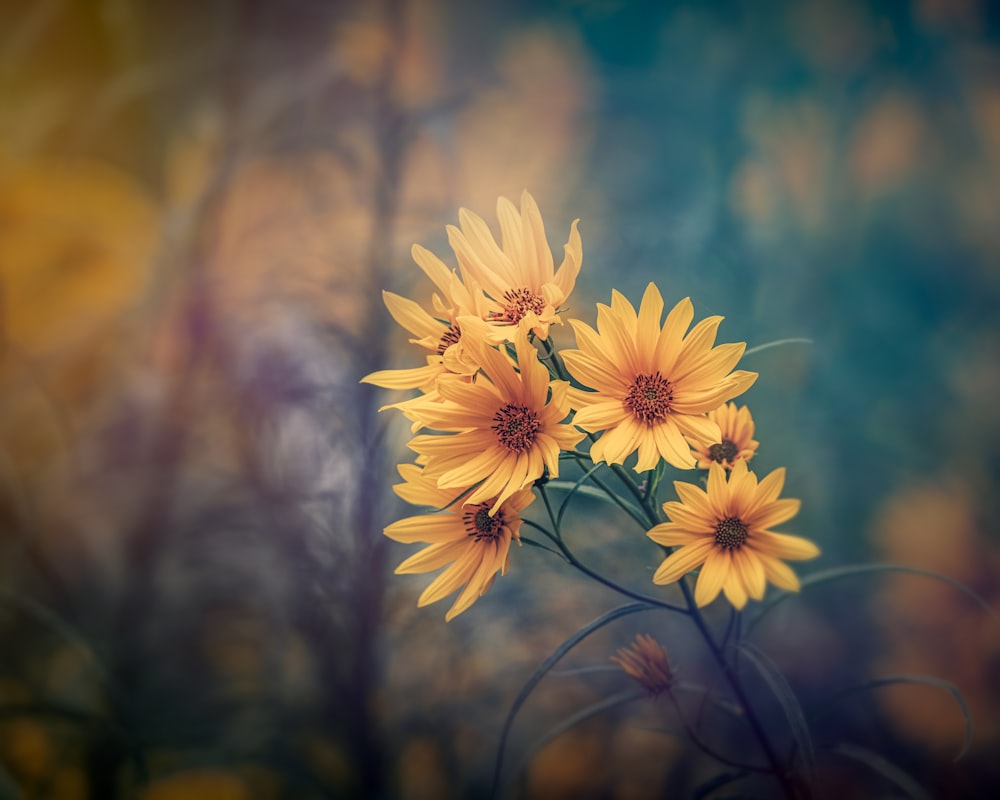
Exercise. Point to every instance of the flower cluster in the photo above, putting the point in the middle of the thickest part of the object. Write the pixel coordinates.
(499, 404)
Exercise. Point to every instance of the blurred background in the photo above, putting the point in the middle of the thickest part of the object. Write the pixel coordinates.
(200, 204)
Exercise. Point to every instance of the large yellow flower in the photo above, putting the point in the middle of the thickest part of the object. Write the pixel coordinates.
(518, 275)
(473, 541)
(439, 333)
(726, 531)
(653, 386)
(505, 431)
(736, 442)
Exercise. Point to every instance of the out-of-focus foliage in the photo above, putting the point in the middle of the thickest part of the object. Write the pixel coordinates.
(199, 207)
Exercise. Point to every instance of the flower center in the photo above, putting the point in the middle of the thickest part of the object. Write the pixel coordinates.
(516, 427)
(448, 338)
(649, 396)
(726, 450)
(517, 303)
(480, 525)
(731, 533)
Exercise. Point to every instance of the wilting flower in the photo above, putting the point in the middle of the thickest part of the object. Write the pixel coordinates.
(653, 386)
(505, 430)
(736, 442)
(647, 663)
(438, 333)
(726, 531)
(518, 275)
(471, 539)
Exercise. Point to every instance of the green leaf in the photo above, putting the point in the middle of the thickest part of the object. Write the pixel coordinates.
(776, 682)
(575, 719)
(836, 573)
(877, 763)
(545, 666)
(925, 680)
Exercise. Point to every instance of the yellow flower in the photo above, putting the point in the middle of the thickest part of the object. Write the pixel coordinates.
(518, 275)
(439, 333)
(653, 386)
(474, 541)
(647, 663)
(736, 442)
(726, 532)
(505, 431)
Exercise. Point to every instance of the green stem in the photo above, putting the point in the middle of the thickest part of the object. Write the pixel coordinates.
(555, 363)
(556, 537)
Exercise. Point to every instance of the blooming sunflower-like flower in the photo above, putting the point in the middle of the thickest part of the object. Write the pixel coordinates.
(736, 442)
(504, 431)
(438, 333)
(727, 532)
(474, 542)
(646, 662)
(518, 275)
(653, 385)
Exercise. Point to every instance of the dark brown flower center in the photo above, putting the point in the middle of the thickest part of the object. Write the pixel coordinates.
(480, 525)
(516, 427)
(731, 533)
(649, 397)
(726, 450)
(517, 303)
(448, 338)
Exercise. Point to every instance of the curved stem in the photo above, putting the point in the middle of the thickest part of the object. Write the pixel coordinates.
(704, 747)
(572, 559)
(646, 501)
(733, 679)
(718, 653)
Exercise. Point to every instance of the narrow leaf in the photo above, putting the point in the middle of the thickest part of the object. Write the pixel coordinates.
(596, 494)
(575, 719)
(877, 763)
(776, 682)
(828, 575)
(925, 680)
(540, 546)
(545, 666)
(777, 343)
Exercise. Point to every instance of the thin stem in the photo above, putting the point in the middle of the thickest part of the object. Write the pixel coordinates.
(555, 363)
(572, 559)
(717, 652)
(702, 745)
(612, 495)
(741, 695)
(646, 502)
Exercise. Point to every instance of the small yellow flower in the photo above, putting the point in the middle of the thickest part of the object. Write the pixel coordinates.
(518, 275)
(653, 386)
(438, 333)
(726, 531)
(502, 432)
(647, 663)
(736, 442)
(471, 539)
